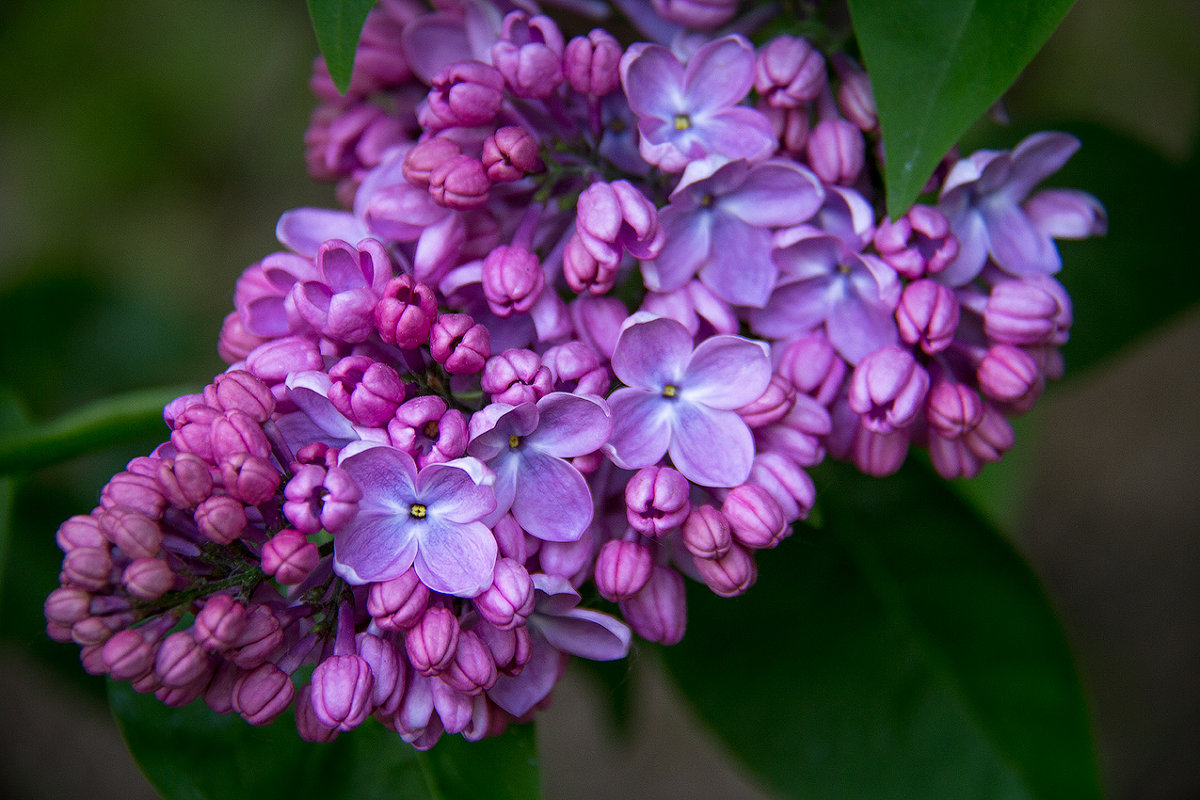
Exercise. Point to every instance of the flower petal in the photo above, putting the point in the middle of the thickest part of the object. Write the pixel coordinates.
(454, 558)
(590, 634)
(738, 133)
(552, 499)
(727, 372)
(711, 447)
(1036, 158)
(653, 81)
(795, 308)
(374, 547)
(719, 74)
(1017, 246)
(775, 194)
(571, 425)
(972, 234)
(857, 326)
(387, 478)
(739, 267)
(303, 229)
(652, 353)
(687, 240)
(517, 695)
(641, 428)
(451, 494)
(1066, 214)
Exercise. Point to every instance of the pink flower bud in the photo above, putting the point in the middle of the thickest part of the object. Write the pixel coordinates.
(785, 481)
(954, 409)
(755, 518)
(80, 530)
(510, 153)
(89, 568)
(366, 391)
(800, 434)
(516, 376)
(698, 14)
(405, 313)
(236, 432)
(308, 725)
(424, 157)
(1022, 313)
(342, 691)
(576, 366)
(458, 344)
(836, 151)
(260, 638)
(66, 605)
(98, 630)
(432, 641)
(220, 623)
(134, 533)
(512, 280)
(460, 182)
(249, 479)
(927, 315)
(510, 649)
(592, 63)
(789, 72)
(509, 600)
(386, 667)
(275, 360)
(473, 669)
(1007, 374)
(262, 694)
(656, 500)
(772, 406)
(127, 655)
(992, 437)
(180, 696)
(320, 498)
(428, 431)
(813, 367)
(880, 454)
(918, 244)
(584, 272)
(622, 569)
(731, 574)
(148, 578)
(180, 660)
(135, 491)
(238, 390)
(529, 54)
(218, 695)
(706, 533)
(399, 603)
(466, 94)
(856, 99)
(289, 557)
(888, 389)
(221, 519)
(185, 480)
(658, 613)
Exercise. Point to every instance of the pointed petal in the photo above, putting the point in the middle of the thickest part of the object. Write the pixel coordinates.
(571, 425)
(552, 499)
(455, 559)
(653, 81)
(1036, 158)
(641, 428)
(1017, 246)
(727, 372)
(651, 354)
(303, 229)
(739, 267)
(857, 327)
(374, 547)
(972, 233)
(517, 695)
(688, 238)
(1066, 214)
(586, 633)
(719, 74)
(711, 447)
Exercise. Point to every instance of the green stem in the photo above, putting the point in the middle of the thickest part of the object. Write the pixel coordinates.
(107, 422)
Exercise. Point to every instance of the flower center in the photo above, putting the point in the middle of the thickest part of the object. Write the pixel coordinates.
(670, 390)
(417, 511)
(514, 441)
(431, 429)
(706, 201)
(682, 122)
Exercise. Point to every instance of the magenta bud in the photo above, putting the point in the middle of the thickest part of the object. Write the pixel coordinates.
(473, 669)
(319, 498)
(731, 574)
(918, 244)
(706, 533)
(275, 360)
(89, 568)
(148, 578)
(622, 569)
(466, 94)
(180, 660)
(592, 63)
(836, 151)
(308, 725)
(954, 409)
(509, 600)
(927, 315)
(133, 532)
(512, 280)
(658, 613)
(510, 649)
(789, 72)
(180, 696)
(127, 655)
(262, 694)
(774, 404)
(405, 313)
(234, 342)
(342, 689)
(755, 517)
(260, 638)
(576, 366)
(398, 604)
(386, 667)
(431, 642)
(516, 376)
(239, 390)
(786, 481)
(98, 630)
(992, 437)
(880, 454)
(813, 367)
(698, 14)
(249, 479)
(218, 695)
(656, 500)
(1022, 313)
(887, 389)
(221, 519)
(460, 182)
(529, 54)
(458, 344)
(1008, 374)
(584, 271)
(236, 432)
(140, 492)
(289, 557)
(220, 623)
(855, 98)
(428, 431)
(510, 153)
(81, 530)
(424, 157)
(185, 480)
(66, 605)
(366, 391)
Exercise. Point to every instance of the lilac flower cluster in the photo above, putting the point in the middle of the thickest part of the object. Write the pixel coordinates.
(590, 313)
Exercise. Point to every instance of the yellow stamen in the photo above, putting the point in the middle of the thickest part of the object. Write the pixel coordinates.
(514, 441)
(417, 511)
(669, 390)
(682, 122)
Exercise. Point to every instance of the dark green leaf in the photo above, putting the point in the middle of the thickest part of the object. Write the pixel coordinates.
(338, 25)
(936, 67)
(105, 422)
(11, 418)
(194, 754)
(903, 651)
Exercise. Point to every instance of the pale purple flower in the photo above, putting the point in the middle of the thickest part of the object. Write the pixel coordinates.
(526, 446)
(827, 284)
(984, 198)
(687, 113)
(720, 226)
(429, 520)
(681, 400)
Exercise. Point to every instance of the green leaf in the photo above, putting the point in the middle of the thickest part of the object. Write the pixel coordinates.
(11, 418)
(903, 651)
(338, 25)
(193, 754)
(936, 67)
(103, 423)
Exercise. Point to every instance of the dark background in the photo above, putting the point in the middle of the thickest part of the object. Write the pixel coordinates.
(146, 150)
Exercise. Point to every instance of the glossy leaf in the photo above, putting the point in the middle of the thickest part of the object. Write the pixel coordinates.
(936, 67)
(195, 754)
(905, 650)
(338, 25)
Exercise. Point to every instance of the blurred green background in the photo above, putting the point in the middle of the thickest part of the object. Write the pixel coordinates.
(146, 150)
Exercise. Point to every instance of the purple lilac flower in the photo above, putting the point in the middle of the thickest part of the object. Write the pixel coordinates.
(429, 520)
(719, 225)
(527, 445)
(681, 400)
(687, 113)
